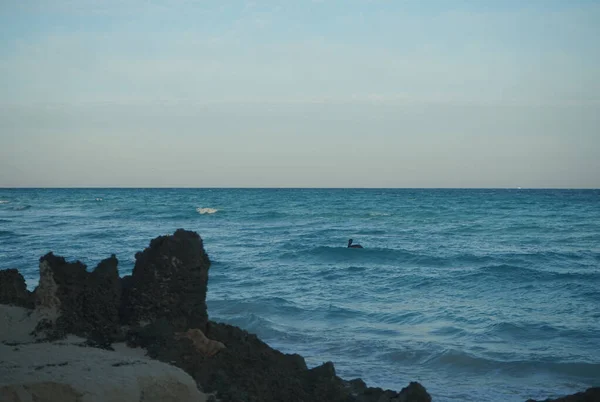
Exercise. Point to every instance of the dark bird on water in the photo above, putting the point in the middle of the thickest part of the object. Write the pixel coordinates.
(350, 245)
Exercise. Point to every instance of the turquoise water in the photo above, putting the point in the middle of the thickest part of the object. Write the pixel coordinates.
(478, 294)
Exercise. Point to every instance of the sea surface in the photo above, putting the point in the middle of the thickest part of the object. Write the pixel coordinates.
(480, 295)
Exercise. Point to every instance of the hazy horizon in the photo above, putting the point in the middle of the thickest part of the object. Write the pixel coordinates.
(297, 188)
(314, 94)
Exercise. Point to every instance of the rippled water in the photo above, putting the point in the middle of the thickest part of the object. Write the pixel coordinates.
(478, 294)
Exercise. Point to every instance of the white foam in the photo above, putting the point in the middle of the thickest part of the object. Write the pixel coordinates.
(379, 214)
(99, 199)
(4, 202)
(203, 211)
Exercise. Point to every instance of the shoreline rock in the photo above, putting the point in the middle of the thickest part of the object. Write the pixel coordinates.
(13, 290)
(69, 371)
(169, 281)
(161, 307)
(79, 302)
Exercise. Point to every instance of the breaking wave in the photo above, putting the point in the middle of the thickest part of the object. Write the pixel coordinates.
(203, 211)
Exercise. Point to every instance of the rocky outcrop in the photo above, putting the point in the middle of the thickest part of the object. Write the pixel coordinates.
(246, 370)
(249, 370)
(169, 281)
(590, 395)
(413, 392)
(13, 289)
(79, 302)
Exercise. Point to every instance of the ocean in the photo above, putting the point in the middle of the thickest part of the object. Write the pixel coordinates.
(480, 295)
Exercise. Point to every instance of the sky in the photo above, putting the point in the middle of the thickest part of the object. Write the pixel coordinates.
(353, 93)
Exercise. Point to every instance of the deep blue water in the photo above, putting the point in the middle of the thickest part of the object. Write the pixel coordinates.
(478, 294)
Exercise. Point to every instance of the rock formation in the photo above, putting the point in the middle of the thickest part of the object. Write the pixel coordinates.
(13, 289)
(79, 302)
(169, 281)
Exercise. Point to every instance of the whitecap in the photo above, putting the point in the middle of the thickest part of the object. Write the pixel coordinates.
(379, 214)
(203, 211)
(4, 202)
(99, 199)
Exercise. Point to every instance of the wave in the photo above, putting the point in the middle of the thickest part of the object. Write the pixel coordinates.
(344, 253)
(476, 264)
(259, 306)
(455, 359)
(278, 336)
(520, 331)
(380, 214)
(4, 202)
(270, 215)
(369, 255)
(354, 268)
(203, 211)
(21, 208)
(410, 317)
(514, 271)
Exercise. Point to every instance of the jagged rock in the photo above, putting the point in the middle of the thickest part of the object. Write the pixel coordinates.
(414, 392)
(169, 281)
(204, 345)
(251, 371)
(247, 370)
(362, 393)
(324, 384)
(13, 290)
(590, 395)
(77, 301)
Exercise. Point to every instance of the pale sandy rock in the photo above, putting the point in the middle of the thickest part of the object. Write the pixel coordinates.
(43, 391)
(65, 371)
(204, 345)
(47, 302)
(17, 323)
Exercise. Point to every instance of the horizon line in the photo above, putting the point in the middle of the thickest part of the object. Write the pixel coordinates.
(284, 188)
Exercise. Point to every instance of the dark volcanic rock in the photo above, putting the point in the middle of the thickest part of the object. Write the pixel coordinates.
(251, 371)
(590, 395)
(13, 290)
(247, 370)
(169, 281)
(87, 302)
(414, 392)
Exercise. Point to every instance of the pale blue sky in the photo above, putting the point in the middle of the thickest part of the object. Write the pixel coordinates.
(353, 93)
